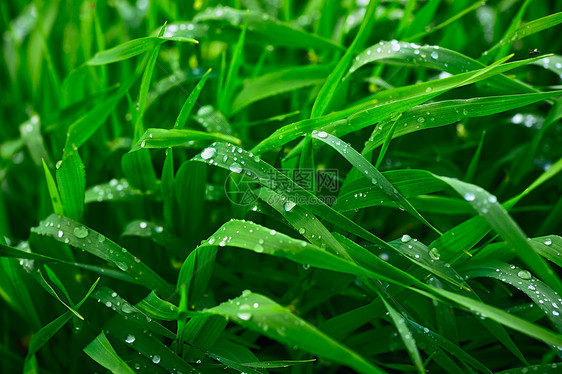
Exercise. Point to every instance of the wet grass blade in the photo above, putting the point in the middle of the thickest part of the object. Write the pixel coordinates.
(190, 102)
(101, 351)
(370, 172)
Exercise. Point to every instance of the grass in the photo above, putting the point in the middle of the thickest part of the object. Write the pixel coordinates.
(281, 187)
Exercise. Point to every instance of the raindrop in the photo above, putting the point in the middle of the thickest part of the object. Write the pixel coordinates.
(547, 241)
(127, 308)
(469, 196)
(492, 199)
(208, 153)
(302, 230)
(322, 134)
(289, 205)
(524, 274)
(80, 232)
(60, 233)
(434, 55)
(130, 338)
(405, 238)
(421, 119)
(143, 225)
(235, 168)
(156, 359)
(434, 253)
(465, 112)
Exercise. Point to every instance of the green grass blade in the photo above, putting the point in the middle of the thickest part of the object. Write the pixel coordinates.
(101, 351)
(370, 172)
(410, 343)
(70, 232)
(324, 98)
(190, 102)
(162, 138)
(53, 191)
(71, 179)
(265, 316)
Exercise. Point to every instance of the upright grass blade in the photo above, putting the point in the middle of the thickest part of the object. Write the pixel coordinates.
(231, 81)
(326, 94)
(71, 180)
(190, 102)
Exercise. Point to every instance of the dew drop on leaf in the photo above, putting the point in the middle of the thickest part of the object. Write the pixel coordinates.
(469, 196)
(235, 168)
(434, 253)
(156, 359)
(547, 241)
(208, 153)
(405, 238)
(80, 232)
(524, 274)
(130, 338)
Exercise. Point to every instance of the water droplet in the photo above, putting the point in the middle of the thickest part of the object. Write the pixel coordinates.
(130, 338)
(208, 153)
(555, 313)
(156, 359)
(434, 55)
(428, 89)
(58, 164)
(322, 134)
(492, 199)
(60, 233)
(80, 232)
(434, 253)
(272, 232)
(121, 265)
(302, 230)
(421, 119)
(547, 241)
(469, 196)
(235, 168)
(289, 205)
(396, 47)
(127, 308)
(405, 238)
(524, 274)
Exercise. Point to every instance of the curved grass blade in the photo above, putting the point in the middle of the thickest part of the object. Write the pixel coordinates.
(452, 111)
(542, 295)
(487, 205)
(279, 82)
(384, 105)
(39, 339)
(239, 161)
(266, 28)
(265, 316)
(101, 351)
(157, 308)
(370, 172)
(550, 247)
(149, 346)
(114, 190)
(112, 300)
(361, 193)
(405, 334)
(162, 138)
(71, 179)
(529, 28)
(69, 232)
(53, 191)
(433, 57)
(132, 48)
(190, 102)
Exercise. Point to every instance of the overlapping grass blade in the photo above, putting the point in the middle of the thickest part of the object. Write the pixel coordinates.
(70, 232)
(265, 316)
(102, 352)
